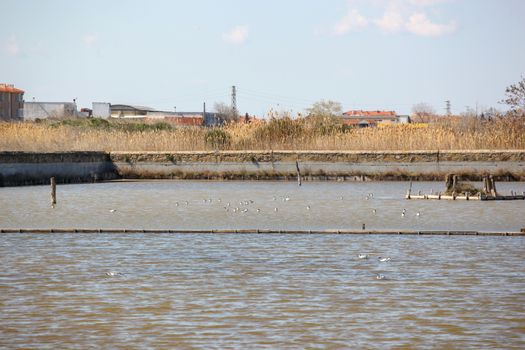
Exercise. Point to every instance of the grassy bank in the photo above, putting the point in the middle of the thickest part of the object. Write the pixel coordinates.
(277, 134)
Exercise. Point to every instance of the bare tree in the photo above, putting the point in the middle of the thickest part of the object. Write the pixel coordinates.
(325, 108)
(423, 113)
(515, 96)
(226, 113)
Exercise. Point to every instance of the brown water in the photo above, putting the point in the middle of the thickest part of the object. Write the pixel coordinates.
(274, 291)
(260, 291)
(254, 205)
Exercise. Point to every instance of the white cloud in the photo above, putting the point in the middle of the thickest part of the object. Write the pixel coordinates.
(89, 40)
(12, 46)
(419, 24)
(237, 36)
(398, 16)
(353, 20)
(391, 22)
(427, 2)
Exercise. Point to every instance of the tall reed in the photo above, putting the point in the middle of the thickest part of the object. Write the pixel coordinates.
(277, 134)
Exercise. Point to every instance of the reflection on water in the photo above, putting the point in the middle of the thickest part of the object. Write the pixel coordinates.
(254, 205)
(260, 291)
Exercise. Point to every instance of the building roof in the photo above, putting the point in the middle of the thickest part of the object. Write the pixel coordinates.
(369, 114)
(132, 107)
(10, 88)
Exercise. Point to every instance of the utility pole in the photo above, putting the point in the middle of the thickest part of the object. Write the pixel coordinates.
(204, 113)
(448, 107)
(234, 101)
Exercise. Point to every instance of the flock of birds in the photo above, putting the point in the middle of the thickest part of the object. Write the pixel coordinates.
(243, 206)
(379, 276)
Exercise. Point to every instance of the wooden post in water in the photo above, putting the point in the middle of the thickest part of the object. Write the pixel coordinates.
(449, 183)
(298, 173)
(493, 186)
(409, 191)
(53, 192)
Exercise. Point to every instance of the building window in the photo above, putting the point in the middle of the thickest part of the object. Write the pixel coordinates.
(20, 98)
(1, 96)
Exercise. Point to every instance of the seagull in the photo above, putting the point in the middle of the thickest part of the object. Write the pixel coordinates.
(245, 210)
(374, 211)
(307, 207)
(380, 277)
(176, 204)
(363, 256)
(113, 274)
(275, 209)
(384, 259)
(418, 214)
(403, 213)
(112, 210)
(258, 210)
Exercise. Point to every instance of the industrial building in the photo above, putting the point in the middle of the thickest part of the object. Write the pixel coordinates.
(43, 110)
(179, 118)
(11, 102)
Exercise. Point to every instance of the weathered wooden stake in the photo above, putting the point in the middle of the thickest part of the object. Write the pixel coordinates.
(494, 192)
(53, 192)
(298, 173)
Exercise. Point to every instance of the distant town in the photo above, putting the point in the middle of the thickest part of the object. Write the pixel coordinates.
(13, 107)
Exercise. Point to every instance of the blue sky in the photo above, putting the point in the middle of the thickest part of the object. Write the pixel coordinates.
(285, 55)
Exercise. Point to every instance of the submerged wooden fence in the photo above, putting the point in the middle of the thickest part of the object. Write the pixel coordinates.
(264, 231)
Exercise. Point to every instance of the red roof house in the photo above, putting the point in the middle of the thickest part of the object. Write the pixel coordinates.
(368, 118)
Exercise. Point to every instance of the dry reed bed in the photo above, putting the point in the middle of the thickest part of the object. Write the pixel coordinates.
(289, 134)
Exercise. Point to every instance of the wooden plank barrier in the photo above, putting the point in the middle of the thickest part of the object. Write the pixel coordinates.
(259, 231)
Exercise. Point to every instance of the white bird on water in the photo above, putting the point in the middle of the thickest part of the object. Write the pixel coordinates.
(307, 207)
(384, 259)
(418, 214)
(374, 211)
(363, 256)
(403, 213)
(380, 277)
(112, 210)
(113, 273)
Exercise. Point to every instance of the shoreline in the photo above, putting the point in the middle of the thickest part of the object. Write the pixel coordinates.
(36, 168)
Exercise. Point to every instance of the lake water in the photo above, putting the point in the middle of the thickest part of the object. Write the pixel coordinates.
(254, 205)
(239, 291)
(260, 291)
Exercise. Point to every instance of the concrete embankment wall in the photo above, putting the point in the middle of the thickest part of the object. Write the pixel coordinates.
(25, 168)
(331, 165)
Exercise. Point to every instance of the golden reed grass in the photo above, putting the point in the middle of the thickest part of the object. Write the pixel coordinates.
(286, 134)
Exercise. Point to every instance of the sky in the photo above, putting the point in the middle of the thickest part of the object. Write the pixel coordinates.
(282, 55)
